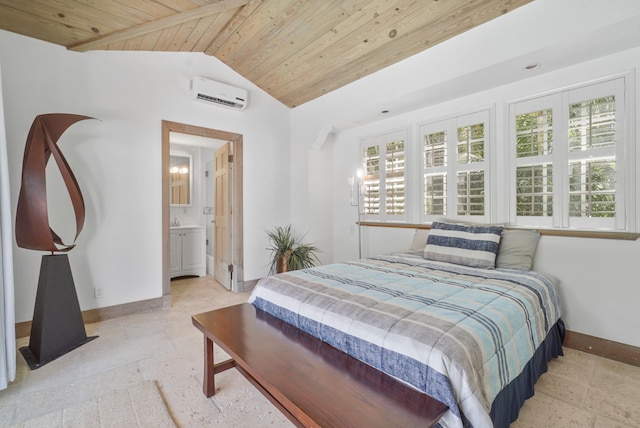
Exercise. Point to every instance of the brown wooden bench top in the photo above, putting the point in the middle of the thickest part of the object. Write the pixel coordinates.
(312, 383)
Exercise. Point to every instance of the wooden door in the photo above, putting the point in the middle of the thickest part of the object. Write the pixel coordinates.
(222, 230)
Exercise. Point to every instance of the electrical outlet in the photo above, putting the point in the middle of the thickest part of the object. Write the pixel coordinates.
(97, 292)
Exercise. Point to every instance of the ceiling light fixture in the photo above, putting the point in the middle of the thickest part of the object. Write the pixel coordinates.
(179, 170)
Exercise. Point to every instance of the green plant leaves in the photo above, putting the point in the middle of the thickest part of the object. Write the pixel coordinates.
(283, 243)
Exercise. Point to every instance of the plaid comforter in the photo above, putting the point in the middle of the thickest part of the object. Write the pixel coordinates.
(459, 334)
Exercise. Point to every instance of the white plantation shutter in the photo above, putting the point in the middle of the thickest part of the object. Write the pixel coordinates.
(371, 180)
(567, 159)
(568, 162)
(532, 130)
(384, 177)
(435, 171)
(454, 168)
(395, 177)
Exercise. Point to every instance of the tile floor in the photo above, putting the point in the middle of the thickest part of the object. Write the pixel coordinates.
(580, 390)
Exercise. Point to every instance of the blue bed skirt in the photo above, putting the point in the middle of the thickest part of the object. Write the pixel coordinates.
(508, 402)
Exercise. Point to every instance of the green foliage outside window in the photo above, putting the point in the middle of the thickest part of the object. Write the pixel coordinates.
(534, 133)
(471, 143)
(592, 187)
(591, 182)
(534, 190)
(471, 193)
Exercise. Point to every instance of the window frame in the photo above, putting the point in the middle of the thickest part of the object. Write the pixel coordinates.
(500, 161)
(382, 140)
(452, 168)
(559, 101)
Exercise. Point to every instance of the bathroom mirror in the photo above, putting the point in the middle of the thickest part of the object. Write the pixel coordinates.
(180, 179)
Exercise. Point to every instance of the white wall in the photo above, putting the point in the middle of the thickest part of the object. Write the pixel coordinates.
(117, 158)
(599, 277)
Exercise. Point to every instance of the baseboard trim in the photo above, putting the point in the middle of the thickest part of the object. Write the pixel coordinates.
(23, 329)
(617, 351)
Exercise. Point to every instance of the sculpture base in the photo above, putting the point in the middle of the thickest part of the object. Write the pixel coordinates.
(57, 327)
(34, 363)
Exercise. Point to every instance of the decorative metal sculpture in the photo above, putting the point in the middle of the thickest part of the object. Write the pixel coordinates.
(57, 326)
(32, 218)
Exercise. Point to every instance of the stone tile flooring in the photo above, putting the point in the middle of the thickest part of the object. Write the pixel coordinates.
(580, 390)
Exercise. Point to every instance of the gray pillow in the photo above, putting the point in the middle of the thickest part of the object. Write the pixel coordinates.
(517, 249)
(419, 240)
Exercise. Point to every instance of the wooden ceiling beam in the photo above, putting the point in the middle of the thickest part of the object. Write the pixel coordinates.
(158, 25)
(269, 16)
(275, 45)
(234, 25)
(217, 24)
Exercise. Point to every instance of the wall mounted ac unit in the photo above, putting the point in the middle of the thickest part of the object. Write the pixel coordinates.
(210, 91)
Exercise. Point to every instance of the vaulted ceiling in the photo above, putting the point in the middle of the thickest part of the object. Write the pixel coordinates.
(295, 50)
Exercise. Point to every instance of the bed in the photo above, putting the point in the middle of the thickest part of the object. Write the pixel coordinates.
(463, 320)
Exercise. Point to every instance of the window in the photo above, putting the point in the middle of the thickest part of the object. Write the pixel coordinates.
(435, 175)
(394, 173)
(384, 177)
(454, 167)
(567, 159)
(371, 180)
(592, 161)
(534, 162)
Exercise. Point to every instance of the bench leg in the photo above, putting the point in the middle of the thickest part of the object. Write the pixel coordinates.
(210, 368)
(208, 383)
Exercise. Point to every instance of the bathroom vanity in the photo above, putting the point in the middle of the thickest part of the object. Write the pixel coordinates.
(187, 251)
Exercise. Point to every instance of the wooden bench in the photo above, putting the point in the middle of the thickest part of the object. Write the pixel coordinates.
(310, 382)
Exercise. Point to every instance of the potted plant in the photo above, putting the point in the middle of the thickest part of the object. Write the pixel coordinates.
(288, 252)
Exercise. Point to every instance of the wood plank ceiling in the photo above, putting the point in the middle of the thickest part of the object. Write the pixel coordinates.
(295, 50)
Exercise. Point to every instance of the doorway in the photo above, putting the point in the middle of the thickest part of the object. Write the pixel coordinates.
(236, 265)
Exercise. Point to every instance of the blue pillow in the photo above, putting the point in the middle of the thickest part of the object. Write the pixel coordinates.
(474, 246)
